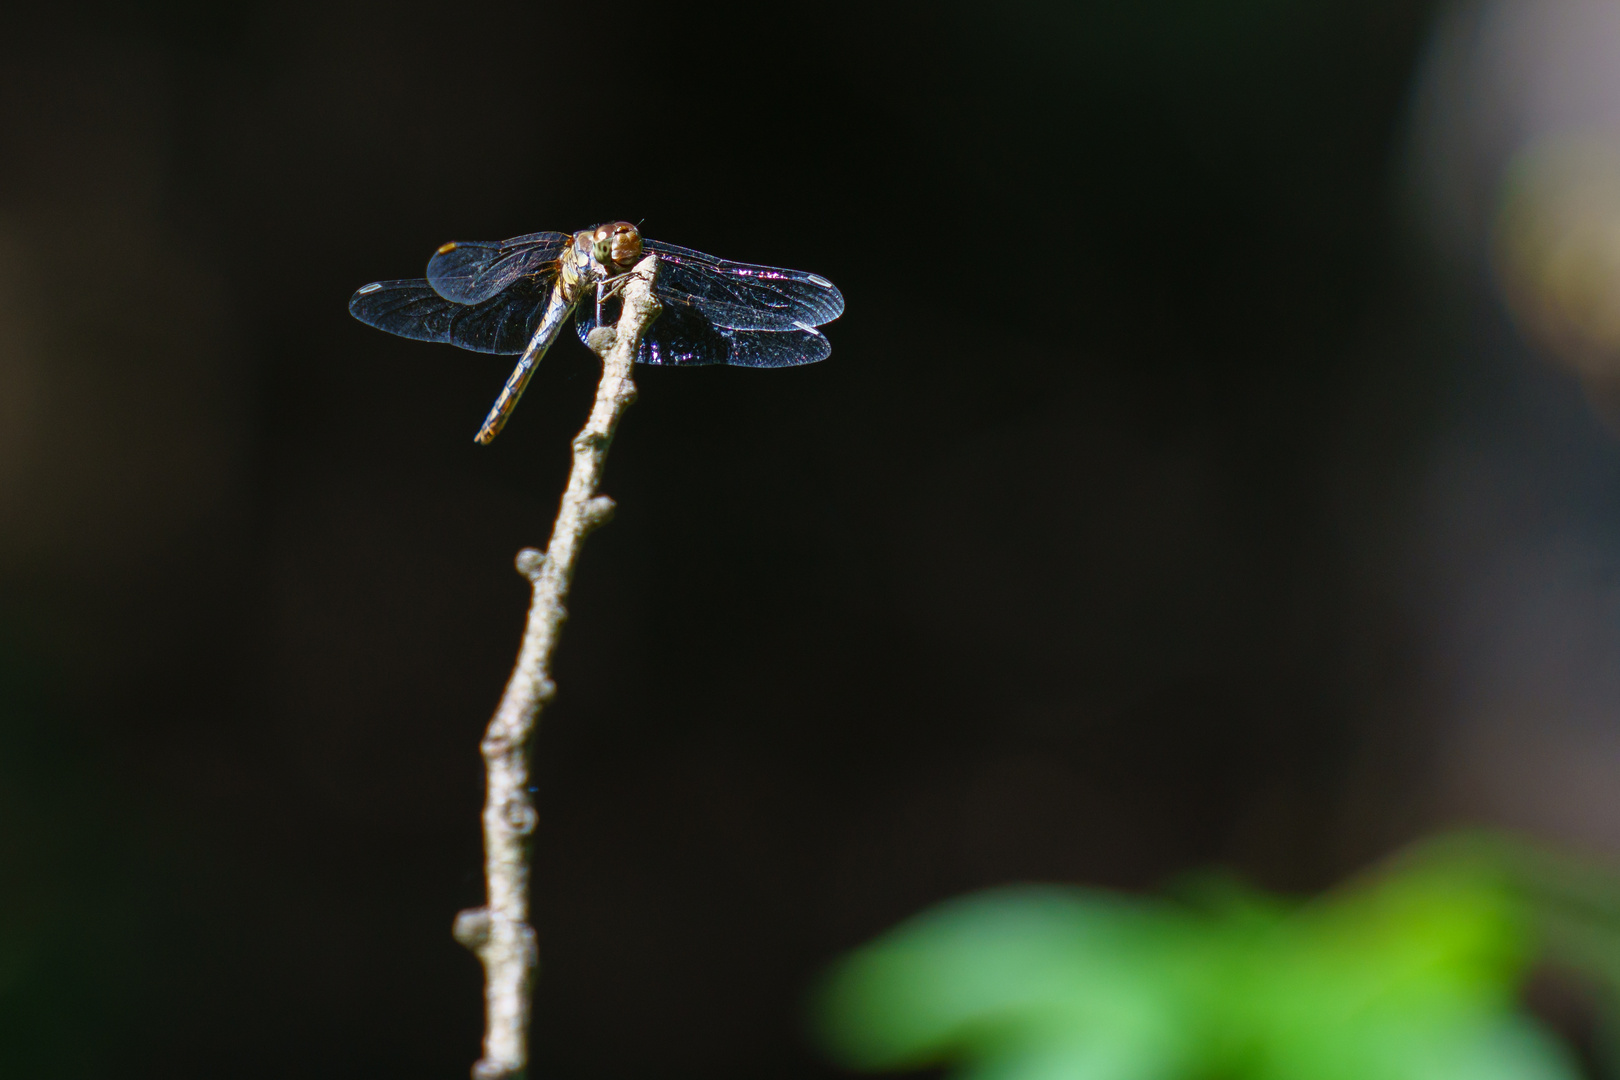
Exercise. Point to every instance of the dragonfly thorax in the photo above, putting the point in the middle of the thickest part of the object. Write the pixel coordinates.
(578, 268)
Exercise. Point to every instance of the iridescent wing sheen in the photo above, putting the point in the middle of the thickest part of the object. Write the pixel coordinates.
(684, 336)
(472, 271)
(741, 296)
(412, 309)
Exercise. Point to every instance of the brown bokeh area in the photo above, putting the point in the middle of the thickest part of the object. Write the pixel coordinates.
(1112, 541)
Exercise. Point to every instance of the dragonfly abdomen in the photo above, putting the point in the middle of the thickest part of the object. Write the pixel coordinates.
(558, 308)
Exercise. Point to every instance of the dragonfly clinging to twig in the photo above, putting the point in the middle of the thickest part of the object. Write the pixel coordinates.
(514, 296)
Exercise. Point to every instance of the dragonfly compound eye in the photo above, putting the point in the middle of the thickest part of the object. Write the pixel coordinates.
(617, 244)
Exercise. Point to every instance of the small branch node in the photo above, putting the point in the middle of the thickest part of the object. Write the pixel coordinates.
(600, 340)
(521, 817)
(598, 512)
(472, 928)
(531, 562)
(587, 441)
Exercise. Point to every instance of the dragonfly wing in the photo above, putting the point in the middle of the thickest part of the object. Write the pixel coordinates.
(778, 348)
(683, 336)
(506, 321)
(472, 271)
(412, 309)
(742, 296)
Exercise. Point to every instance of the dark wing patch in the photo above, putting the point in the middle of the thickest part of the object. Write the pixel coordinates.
(683, 336)
(680, 335)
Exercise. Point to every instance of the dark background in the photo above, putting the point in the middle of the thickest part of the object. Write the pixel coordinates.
(1089, 555)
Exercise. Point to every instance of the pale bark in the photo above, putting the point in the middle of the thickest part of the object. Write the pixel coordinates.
(500, 932)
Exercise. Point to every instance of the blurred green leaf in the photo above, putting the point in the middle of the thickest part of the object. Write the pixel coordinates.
(1411, 974)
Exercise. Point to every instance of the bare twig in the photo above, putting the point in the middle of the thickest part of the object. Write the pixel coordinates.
(499, 933)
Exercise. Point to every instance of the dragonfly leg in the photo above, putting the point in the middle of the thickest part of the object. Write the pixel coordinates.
(608, 288)
(615, 285)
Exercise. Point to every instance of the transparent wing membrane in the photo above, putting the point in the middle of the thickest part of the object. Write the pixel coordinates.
(412, 309)
(472, 271)
(742, 296)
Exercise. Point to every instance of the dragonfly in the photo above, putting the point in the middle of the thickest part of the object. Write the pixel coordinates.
(513, 297)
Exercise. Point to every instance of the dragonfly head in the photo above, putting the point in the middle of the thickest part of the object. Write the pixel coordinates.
(616, 245)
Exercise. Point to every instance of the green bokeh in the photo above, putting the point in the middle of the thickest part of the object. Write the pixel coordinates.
(1411, 974)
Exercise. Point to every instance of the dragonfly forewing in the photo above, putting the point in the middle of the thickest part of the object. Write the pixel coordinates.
(472, 271)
